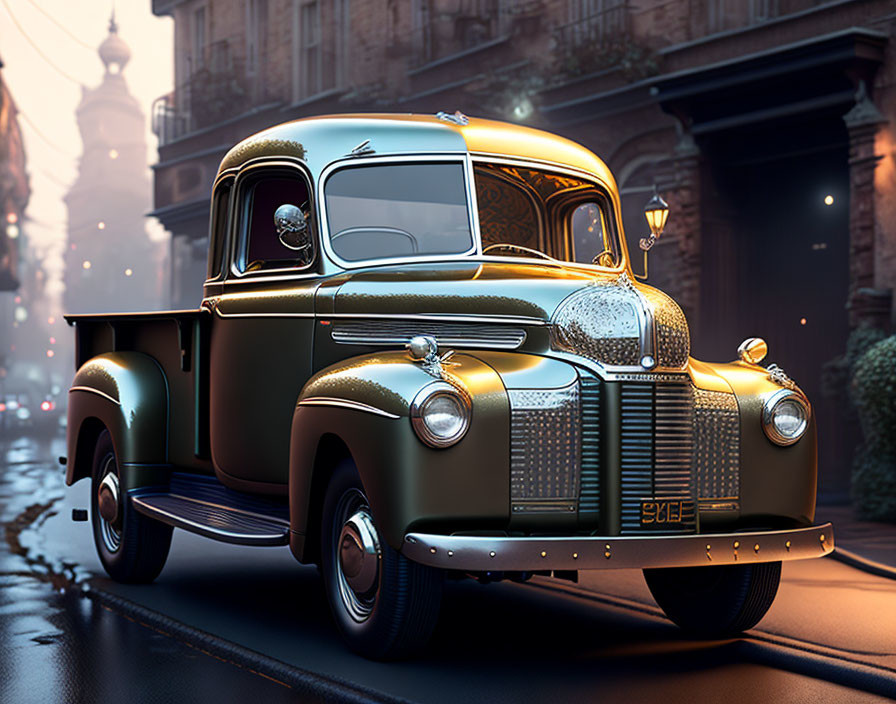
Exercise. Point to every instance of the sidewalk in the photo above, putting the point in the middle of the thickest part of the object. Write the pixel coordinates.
(869, 540)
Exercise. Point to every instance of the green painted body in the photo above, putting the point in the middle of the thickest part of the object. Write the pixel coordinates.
(234, 388)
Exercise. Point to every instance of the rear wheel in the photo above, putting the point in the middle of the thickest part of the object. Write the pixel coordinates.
(715, 602)
(384, 605)
(131, 546)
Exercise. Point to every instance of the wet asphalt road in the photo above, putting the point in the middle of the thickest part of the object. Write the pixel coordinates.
(830, 635)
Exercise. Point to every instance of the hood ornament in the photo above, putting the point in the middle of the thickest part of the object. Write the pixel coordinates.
(777, 375)
(425, 350)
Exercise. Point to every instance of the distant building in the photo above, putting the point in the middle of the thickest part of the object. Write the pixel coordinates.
(768, 125)
(111, 263)
(14, 189)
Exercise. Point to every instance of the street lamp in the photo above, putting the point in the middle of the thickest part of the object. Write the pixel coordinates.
(657, 212)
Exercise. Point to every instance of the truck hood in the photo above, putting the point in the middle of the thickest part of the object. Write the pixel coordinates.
(605, 317)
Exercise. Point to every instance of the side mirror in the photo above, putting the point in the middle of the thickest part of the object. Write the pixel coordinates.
(292, 228)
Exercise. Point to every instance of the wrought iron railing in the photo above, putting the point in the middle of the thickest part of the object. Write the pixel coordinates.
(469, 24)
(609, 23)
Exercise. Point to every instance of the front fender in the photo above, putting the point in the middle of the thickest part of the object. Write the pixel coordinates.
(365, 402)
(128, 394)
(777, 484)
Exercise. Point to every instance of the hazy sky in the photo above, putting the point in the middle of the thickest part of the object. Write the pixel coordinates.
(47, 99)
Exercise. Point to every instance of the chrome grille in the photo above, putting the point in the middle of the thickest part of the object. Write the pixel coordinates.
(717, 451)
(589, 472)
(398, 332)
(657, 445)
(545, 443)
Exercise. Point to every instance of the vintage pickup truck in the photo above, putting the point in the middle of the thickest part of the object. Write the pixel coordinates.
(421, 353)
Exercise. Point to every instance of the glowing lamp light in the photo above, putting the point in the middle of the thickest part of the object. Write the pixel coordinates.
(52, 340)
(101, 225)
(46, 406)
(51, 320)
(657, 212)
(51, 353)
(12, 231)
(20, 314)
(113, 153)
(2, 407)
(128, 272)
(86, 264)
(12, 218)
(829, 200)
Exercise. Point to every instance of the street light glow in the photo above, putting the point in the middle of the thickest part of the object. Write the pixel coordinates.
(86, 264)
(829, 199)
(128, 272)
(12, 231)
(101, 225)
(12, 218)
(113, 153)
(50, 353)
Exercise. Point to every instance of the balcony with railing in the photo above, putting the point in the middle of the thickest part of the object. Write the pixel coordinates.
(608, 22)
(715, 16)
(218, 88)
(444, 32)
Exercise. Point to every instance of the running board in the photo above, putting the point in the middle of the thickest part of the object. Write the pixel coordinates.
(203, 505)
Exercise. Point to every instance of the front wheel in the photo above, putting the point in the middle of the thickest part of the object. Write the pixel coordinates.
(385, 605)
(131, 546)
(715, 602)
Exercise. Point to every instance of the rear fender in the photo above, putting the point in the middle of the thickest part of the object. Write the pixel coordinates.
(127, 394)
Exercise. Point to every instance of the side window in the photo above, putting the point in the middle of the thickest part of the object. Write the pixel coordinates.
(219, 227)
(275, 222)
(589, 235)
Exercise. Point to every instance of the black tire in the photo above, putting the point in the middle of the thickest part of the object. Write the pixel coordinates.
(133, 548)
(399, 612)
(715, 602)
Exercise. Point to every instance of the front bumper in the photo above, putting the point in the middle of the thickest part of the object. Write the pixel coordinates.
(504, 554)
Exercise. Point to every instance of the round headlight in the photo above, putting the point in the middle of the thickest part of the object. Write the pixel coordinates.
(785, 417)
(440, 414)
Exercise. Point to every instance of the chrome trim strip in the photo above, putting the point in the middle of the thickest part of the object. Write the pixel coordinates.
(345, 403)
(97, 392)
(262, 315)
(447, 335)
(479, 554)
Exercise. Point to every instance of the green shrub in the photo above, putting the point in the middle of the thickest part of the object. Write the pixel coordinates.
(873, 392)
(874, 486)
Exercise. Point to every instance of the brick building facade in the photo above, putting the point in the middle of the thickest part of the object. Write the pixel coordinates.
(768, 125)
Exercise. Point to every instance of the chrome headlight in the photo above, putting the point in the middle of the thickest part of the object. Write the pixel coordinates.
(785, 417)
(440, 414)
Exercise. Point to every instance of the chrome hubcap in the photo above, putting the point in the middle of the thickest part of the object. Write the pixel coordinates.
(107, 501)
(358, 557)
(108, 506)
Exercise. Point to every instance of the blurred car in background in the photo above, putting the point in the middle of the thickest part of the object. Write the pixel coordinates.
(31, 400)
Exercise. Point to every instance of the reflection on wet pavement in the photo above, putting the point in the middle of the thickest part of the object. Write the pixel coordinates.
(59, 647)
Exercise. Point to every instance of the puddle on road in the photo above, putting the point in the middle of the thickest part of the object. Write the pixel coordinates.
(59, 646)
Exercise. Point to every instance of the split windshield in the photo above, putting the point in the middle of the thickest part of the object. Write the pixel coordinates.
(421, 209)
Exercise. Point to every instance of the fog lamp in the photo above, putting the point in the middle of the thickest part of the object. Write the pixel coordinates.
(440, 414)
(785, 417)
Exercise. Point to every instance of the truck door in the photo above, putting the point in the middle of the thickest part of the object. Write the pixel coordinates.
(261, 338)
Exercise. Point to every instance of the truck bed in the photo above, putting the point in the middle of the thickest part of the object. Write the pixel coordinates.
(179, 341)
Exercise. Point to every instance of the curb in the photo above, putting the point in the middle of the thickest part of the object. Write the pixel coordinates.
(763, 648)
(308, 685)
(862, 563)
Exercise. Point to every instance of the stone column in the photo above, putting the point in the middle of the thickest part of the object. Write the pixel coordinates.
(867, 304)
(679, 181)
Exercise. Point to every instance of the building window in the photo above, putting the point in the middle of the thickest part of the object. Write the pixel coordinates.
(199, 39)
(256, 34)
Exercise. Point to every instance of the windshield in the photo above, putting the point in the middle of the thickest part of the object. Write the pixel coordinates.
(565, 217)
(384, 211)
